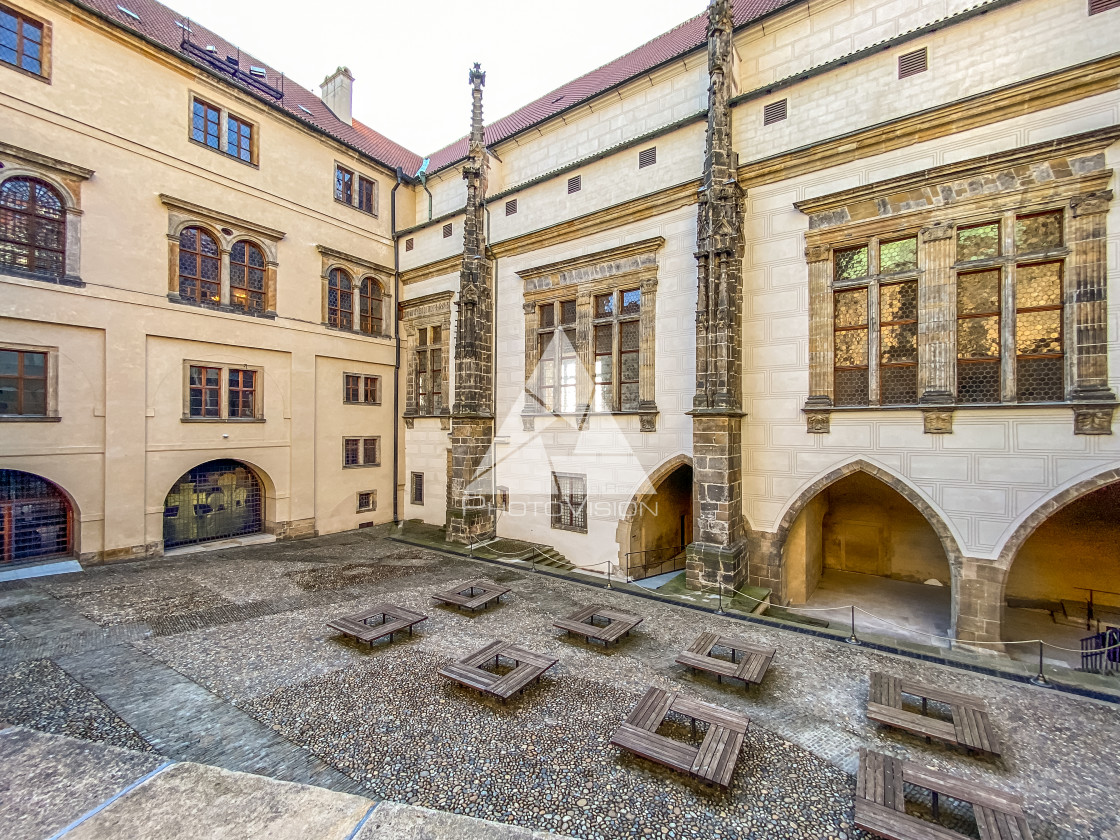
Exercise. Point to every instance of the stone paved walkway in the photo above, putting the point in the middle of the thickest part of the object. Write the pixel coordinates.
(162, 654)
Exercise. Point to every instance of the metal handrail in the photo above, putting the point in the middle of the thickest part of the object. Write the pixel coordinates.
(675, 549)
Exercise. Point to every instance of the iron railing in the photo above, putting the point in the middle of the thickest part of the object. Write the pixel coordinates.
(642, 570)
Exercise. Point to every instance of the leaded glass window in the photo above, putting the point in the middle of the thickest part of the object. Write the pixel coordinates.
(850, 335)
(978, 336)
(32, 227)
(246, 277)
(199, 266)
(898, 343)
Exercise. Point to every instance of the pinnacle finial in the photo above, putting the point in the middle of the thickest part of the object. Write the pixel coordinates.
(477, 77)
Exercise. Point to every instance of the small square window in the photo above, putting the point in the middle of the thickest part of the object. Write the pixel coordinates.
(775, 112)
(447, 230)
(511, 206)
(23, 383)
(575, 184)
(367, 501)
(632, 302)
(851, 263)
(604, 306)
(567, 312)
(546, 316)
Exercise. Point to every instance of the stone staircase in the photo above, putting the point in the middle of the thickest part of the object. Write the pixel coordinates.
(533, 553)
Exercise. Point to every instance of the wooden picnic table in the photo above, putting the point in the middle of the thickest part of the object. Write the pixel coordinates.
(473, 595)
(528, 667)
(881, 806)
(970, 728)
(713, 761)
(380, 620)
(749, 662)
(617, 623)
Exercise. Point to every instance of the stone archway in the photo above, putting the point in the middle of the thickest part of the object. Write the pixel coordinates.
(37, 519)
(658, 519)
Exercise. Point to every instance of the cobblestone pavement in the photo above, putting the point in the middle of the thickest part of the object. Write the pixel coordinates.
(225, 658)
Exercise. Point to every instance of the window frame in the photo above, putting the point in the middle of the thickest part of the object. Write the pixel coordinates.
(361, 191)
(367, 508)
(366, 300)
(361, 445)
(429, 380)
(335, 312)
(225, 389)
(200, 256)
(416, 483)
(35, 220)
(226, 118)
(46, 37)
(247, 267)
(20, 378)
(362, 386)
(564, 515)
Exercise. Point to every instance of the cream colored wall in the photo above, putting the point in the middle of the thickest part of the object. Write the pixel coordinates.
(998, 465)
(121, 442)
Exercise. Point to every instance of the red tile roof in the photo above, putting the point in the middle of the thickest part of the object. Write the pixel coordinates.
(673, 44)
(159, 23)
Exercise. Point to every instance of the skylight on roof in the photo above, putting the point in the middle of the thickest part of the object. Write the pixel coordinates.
(306, 110)
(128, 12)
(211, 48)
(258, 71)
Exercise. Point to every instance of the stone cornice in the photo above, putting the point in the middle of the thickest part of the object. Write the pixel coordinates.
(1076, 145)
(436, 298)
(598, 258)
(448, 265)
(45, 161)
(197, 210)
(334, 254)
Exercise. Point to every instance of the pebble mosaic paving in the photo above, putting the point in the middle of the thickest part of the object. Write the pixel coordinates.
(246, 627)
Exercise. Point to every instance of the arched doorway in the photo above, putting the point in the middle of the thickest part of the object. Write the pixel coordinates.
(1064, 583)
(662, 525)
(860, 541)
(36, 519)
(216, 500)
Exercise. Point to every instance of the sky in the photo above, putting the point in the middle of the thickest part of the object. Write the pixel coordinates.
(410, 59)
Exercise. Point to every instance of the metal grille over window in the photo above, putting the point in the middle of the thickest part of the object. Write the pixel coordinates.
(775, 112)
(569, 502)
(23, 383)
(1039, 371)
(246, 277)
(35, 519)
(367, 501)
(217, 500)
(340, 300)
(32, 227)
(898, 343)
(575, 184)
(647, 157)
(511, 207)
(21, 42)
(851, 339)
(978, 331)
(199, 266)
(912, 63)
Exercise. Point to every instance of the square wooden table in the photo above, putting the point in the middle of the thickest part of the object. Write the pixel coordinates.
(528, 667)
(713, 761)
(617, 623)
(473, 595)
(383, 619)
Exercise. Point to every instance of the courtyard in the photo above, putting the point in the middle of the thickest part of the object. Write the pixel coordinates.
(223, 658)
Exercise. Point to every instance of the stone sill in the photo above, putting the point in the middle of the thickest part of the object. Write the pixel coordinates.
(359, 466)
(963, 406)
(28, 418)
(217, 307)
(66, 280)
(357, 333)
(222, 420)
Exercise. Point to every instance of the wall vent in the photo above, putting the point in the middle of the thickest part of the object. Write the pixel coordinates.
(647, 157)
(912, 63)
(1098, 6)
(511, 206)
(774, 112)
(575, 184)
(409, 244)
(447, 229)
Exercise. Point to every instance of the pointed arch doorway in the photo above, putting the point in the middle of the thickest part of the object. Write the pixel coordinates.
(660, 523)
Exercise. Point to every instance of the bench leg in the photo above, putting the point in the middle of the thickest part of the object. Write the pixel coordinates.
(936, 807)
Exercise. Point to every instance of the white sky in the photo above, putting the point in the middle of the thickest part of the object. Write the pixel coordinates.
(410, 59)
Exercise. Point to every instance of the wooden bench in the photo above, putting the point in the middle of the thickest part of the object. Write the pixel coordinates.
(528, 667)
(750, 668)
(376, 622)
(880, 805)
(619, 623)
(713, 761)
(970, 727)
(473, 595)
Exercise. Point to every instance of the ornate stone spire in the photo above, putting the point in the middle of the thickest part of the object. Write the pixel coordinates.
(718, 553)
(470, 513)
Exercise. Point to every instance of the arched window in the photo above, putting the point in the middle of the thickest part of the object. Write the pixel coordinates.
(32, 227)
(199, 266)
(340, 300)
(246, 277)
(35, 519)
(372, 303)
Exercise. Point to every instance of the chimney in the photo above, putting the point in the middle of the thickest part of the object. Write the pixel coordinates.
(338, 94)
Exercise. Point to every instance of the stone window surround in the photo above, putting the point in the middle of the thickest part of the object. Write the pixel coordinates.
(372, 506)
(66, 179)
(362, 377)
(1067, 175)
(432, 310)
(362, 464)
(357, 173)
(227, 231)
(223, 391)
(359, 270)
(414, 497)
(52, 415)
(48, 36)
(223, 129)
(624, 267)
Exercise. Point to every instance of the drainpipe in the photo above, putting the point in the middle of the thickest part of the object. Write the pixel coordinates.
(422, 174)
(397, 342)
